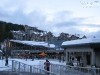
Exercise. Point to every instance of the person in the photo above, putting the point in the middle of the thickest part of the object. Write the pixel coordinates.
(59, 58)
(32, 57)
(6, 64)
(47, 65)
(71, 64)
(72, 59)
(93, 70)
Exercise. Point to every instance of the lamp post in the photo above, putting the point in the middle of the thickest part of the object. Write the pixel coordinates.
(7, 50)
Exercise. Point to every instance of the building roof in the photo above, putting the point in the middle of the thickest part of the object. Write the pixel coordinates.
(0, 51)
(81, 42)
(34, 43)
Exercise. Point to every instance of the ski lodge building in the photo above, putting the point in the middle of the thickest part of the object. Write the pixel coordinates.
(32, 47)
(88, 50)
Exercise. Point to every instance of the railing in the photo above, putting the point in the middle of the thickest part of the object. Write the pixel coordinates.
(71, 70)
(87, 70)
(19, 67)
(3, 61)
(55, 69)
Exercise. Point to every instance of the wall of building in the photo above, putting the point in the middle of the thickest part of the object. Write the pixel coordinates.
(85, 50)
(79, 49)
(98, 58)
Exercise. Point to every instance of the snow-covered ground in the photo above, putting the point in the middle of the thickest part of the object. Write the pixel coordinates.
(29, 62)
(55, 68)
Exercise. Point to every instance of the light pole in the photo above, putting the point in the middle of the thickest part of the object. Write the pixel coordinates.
(7, 50)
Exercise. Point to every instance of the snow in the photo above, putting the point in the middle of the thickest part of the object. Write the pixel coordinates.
(32, 43)
(82, 41)
(0, 50)
(28, 62)
(52, 45)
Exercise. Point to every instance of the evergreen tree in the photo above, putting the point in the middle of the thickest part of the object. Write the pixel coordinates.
(6, 28)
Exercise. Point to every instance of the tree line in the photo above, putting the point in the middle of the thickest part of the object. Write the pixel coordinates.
(6, 28)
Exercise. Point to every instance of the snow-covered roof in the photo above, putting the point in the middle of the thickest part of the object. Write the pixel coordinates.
(19, 32)
(34, 43)
(51, 45)
(81, 41)
(0, 50)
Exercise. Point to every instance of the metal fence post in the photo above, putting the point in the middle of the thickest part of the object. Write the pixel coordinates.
(12, 65)
(19, 66)
(30, 69)
(51, 67)
(24, 68)
(60, 69)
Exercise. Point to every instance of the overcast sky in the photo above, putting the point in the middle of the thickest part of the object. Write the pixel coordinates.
(69, 16)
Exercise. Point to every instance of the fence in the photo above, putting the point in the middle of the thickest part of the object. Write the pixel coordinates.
(19, 67)
(55, 69)
(71, 70)
(2, 63)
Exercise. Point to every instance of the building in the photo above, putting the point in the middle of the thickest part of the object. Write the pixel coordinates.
(31, 46)
(88, 50)
(18, 35)
(34, 34)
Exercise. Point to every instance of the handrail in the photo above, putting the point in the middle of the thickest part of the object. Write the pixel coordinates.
(71, 69)
(21, 67)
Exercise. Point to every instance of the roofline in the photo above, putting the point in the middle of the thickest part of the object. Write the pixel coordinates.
(92, 45)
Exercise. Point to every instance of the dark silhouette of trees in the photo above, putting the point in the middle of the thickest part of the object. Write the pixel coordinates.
(6, 28)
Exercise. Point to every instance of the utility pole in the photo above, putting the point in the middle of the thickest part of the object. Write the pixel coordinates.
(7, 52)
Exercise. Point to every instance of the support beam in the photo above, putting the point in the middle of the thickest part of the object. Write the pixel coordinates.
(84, 59)
(66, 57)
(93, 58)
